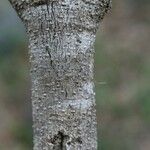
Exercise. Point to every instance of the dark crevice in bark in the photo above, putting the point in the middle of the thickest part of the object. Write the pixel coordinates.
(59, 141)
(62, 140)
(36, 3)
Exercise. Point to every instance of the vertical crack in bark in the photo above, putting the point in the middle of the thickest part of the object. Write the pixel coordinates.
(59, 141)
(53, 18)
(62, 140)
(47, 5)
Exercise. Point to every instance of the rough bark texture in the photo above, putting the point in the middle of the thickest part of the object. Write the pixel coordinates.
(61, 37)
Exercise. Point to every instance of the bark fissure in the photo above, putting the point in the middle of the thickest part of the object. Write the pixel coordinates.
(36, 3)
(58, 141)
(61, 38)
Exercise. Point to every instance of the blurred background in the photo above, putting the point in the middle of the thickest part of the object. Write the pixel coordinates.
(122, 79)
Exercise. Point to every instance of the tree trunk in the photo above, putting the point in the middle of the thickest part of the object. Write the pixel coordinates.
(61, 36)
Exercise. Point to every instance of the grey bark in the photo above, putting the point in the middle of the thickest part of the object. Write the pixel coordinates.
(61, 37)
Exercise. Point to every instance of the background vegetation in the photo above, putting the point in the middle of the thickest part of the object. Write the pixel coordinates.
(122, 79)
